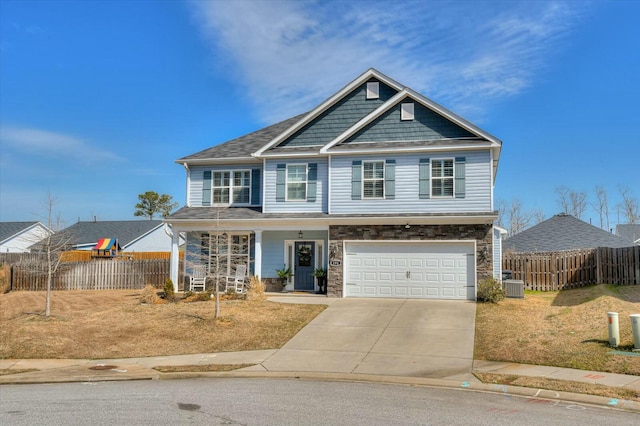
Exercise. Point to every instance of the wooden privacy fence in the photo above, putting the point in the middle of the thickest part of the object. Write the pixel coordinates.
(96, 275)
(549, 271)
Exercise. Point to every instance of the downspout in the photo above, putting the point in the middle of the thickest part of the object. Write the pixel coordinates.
(188, 188)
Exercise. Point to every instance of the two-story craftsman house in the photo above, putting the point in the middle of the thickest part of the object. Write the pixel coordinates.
(389, 191)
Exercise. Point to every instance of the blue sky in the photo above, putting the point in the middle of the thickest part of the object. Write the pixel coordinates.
(98, 98)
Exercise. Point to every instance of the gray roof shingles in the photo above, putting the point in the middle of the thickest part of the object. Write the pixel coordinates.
(126, 231)
(9, 229)
(629, 231)
(562, 232)
(246, 145)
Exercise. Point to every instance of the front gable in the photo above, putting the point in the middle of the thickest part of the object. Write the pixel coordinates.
(340, 116)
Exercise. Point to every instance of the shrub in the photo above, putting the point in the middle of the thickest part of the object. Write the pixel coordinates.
(490, 290)
(168, 289)
(149, 295)
(256, 289)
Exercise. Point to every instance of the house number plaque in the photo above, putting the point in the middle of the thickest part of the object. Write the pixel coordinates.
(335, 262)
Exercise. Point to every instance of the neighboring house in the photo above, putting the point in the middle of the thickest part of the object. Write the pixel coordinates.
(561, 232)
(629, 232)
(132, 235)
(390, 191)
(18, 237)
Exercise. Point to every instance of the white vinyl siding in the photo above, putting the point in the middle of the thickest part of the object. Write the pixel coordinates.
(477, 186)
(241, 192)
(317, 205)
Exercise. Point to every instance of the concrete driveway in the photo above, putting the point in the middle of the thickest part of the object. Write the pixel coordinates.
(396, 337)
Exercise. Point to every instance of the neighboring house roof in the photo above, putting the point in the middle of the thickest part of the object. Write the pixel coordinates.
(9, 230)
(561, 232)
(126, 231)
(629, 231)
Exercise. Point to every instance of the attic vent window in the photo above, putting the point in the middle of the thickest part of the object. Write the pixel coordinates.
(406, 111)
(373, 90)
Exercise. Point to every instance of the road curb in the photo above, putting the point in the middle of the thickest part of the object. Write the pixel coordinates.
(540, 396)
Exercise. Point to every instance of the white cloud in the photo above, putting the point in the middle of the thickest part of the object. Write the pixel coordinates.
(43, 143)
(289, 55)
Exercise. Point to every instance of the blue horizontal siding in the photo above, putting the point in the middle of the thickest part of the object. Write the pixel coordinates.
(273, 248)
(320, 205)
(196, 173)
(477, 182)
(427, 125)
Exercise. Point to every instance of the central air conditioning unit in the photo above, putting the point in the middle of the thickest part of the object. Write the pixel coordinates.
(514, 288)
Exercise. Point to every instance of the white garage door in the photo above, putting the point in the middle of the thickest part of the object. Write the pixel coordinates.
(434, 270)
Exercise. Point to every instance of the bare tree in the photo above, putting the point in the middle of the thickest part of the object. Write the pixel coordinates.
(519, 220)
(563, 197)
(51, 246)
(601, 206)
(204, 251)
(538, 216)
(572, 202)
(629, 205)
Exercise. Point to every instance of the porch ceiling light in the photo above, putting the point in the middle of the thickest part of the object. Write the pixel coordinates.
(300, 234)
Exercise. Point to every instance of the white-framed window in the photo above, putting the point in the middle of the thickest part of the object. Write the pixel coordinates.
(442, 177)
(231, 187)
(373, 90)
(220, 187)
(241, 187)
(406, 111)
(373, 179)
(296, 182)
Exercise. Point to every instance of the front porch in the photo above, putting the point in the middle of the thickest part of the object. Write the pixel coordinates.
(264, 252)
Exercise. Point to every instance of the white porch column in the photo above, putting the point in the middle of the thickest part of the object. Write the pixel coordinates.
(258, 253)
(175, 259)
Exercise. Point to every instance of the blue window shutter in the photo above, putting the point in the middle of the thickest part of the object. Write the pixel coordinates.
(206, 188)
(281, 182)
(256, 186)
(356, 180)
(424, 172)
(390, 179)
(459, 186)
(312, 182)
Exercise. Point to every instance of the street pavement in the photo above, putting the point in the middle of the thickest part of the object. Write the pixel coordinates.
(420, 342)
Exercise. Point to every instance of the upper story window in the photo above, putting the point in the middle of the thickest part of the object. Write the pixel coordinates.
(373, 179)
(442, 177)
(221, 187)
(373, 90)
(231, 187)
(296, 182)
(241, 187)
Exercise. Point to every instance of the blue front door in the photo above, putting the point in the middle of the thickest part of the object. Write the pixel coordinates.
(305, 255)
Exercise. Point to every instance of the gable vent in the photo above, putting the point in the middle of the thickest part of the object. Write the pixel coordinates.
(373, 90)
(406, 111)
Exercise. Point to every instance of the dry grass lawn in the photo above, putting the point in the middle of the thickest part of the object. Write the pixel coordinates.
(113, 324)
(560, 385)
(564, 329)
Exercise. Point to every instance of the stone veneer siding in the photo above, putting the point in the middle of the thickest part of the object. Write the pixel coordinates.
(339, 233)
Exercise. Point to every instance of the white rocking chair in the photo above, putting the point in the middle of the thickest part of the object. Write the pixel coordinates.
(198, 279)
(237, 282)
